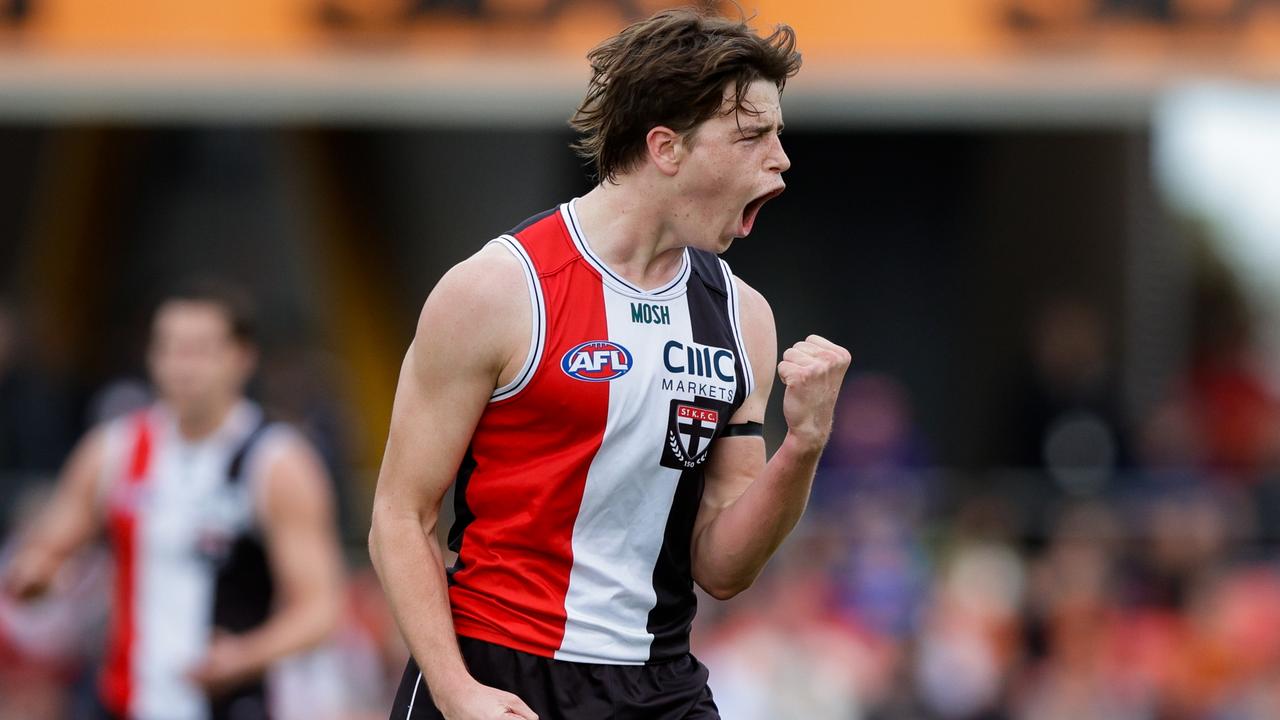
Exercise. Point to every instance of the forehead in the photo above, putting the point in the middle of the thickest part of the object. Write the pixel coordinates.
(192, 316)
(761, 104)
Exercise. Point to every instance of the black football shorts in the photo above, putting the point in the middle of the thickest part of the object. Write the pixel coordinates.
(559, 690)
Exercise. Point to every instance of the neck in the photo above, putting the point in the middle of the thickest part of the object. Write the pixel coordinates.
(198, 424)
(629, 227)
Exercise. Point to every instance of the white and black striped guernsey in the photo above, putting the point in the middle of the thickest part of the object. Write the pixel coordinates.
(182, 518)
(577, 498)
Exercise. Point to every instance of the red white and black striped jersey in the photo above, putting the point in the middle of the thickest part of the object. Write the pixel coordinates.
(576, 501)
(182, 519)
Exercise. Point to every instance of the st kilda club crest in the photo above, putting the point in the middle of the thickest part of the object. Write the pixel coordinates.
(690, 430)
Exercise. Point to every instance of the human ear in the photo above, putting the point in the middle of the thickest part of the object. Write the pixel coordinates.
(665, 148)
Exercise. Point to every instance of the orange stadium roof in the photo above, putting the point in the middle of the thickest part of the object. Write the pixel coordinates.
(521, 63)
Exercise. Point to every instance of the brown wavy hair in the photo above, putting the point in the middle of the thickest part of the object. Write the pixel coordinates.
(672, 70)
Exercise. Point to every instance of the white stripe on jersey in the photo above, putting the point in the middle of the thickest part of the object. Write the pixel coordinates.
(621, 523)
(185, 500)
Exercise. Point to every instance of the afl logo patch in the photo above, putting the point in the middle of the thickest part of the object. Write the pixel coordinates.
(596, 361)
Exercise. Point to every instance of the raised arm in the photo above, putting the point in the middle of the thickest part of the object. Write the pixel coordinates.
(750, 505)
(71, 519)
(472, 336)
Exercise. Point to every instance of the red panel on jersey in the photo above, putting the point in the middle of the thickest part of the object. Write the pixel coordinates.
(532, 454)
(117, 681)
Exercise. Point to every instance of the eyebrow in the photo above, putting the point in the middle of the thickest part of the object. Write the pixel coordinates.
(761, 129)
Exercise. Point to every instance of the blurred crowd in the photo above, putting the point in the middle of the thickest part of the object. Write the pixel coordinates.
(1111, 568)
(1122, 571)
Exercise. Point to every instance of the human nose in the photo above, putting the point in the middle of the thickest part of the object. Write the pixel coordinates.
(778, 160)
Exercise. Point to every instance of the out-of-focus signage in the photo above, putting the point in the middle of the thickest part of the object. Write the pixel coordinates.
(904, 28)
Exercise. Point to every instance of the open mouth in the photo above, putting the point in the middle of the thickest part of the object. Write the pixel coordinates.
(752, 210)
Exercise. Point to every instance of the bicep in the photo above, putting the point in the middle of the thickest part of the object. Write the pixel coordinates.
(299, 523)
(761, 338)
(74, 515)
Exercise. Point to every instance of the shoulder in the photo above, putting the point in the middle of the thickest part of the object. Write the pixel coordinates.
(478, 310)
(757, 314)
(478, 290)
(288, 470)
(759, 335)
(104, 454)
(483, 281)
(111, 442)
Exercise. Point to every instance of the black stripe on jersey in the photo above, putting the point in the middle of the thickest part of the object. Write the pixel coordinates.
(462, 514)
(707, 267)
(244, 588)
(235, 469)
(532, 220)
(672, 614)
(243, 593)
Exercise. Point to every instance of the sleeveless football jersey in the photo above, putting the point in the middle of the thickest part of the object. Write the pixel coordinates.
(182, 522)
(576, 501)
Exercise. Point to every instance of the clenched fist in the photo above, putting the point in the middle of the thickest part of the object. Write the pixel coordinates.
(812, 371)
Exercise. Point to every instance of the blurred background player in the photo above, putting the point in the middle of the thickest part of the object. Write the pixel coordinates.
(220, 525)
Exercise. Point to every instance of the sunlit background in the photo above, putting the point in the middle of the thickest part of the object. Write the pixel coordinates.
(1048, 230)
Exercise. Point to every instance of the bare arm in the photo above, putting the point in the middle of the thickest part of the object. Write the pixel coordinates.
(749, 506)
(474, 328)
(302, 546)
(72, 519)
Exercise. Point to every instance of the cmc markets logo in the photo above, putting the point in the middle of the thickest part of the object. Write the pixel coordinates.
(596, 361)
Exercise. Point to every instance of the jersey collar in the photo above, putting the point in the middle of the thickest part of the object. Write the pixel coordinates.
(674, 288)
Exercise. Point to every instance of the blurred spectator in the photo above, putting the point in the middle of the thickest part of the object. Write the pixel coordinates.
(1067, 421)
(1074, 610)
(970, 635)
(873, 483)
(1237, 411)
(1170, 445)
(874, 444)
(1182, 536)
(789, 655)
(881, 575)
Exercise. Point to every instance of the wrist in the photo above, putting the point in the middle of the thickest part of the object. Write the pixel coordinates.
(250, 657)
(448, 683)
(806, 444)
